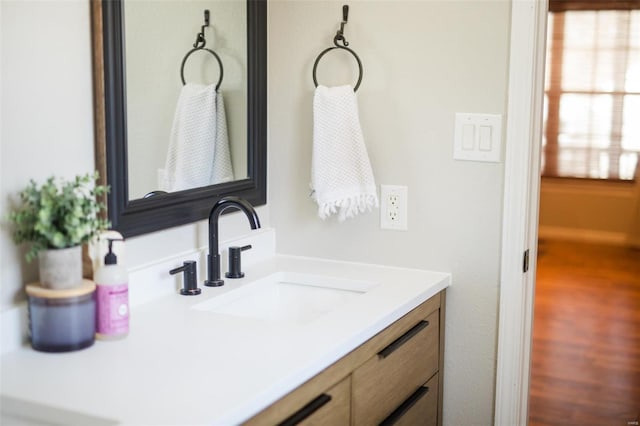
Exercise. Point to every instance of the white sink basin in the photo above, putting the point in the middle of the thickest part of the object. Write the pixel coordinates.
(287, 297)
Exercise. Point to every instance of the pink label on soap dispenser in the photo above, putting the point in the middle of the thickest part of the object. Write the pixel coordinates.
(112, 309)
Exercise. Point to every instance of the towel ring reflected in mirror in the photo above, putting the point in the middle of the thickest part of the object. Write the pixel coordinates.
(325, 51)
(215, 55)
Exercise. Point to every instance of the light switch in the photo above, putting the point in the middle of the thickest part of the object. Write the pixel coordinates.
(485, 138)
(468, 136)
(477, 137)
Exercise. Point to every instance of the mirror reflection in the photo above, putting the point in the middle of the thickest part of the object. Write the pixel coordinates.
(185, 136)
(115, 146)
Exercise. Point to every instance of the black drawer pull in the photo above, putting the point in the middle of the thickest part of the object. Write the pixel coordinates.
(406, 406)
(402, 339)
(306, 411)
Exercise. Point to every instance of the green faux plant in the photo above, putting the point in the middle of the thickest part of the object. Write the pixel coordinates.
(59, 214)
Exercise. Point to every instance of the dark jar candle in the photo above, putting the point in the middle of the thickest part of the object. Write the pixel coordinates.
(62, 320)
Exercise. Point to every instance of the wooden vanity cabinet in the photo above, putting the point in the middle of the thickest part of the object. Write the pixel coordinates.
(421, 408)
(394, 378)
(329, 408)
(391, 376)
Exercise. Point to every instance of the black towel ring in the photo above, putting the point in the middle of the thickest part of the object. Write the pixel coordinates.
(215, 55)
(325, 51)
(339, 37)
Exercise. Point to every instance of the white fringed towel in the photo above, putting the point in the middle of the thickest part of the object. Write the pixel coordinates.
(199, 153)
(222, 167)
(341, 176)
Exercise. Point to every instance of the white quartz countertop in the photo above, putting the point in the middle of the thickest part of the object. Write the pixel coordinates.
(185, 366)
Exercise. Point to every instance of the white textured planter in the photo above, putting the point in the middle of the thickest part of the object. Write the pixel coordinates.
(60, 268)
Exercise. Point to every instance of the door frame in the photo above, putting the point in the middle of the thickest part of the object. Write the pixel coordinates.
(520, 209)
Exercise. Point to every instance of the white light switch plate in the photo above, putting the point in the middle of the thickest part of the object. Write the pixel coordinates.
(477, 137)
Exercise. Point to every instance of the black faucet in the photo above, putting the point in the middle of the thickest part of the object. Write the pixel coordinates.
(213, 259)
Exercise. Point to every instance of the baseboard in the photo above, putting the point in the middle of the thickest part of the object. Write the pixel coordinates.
(582, 235)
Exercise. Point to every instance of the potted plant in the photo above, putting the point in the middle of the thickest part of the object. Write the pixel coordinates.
(55, 219)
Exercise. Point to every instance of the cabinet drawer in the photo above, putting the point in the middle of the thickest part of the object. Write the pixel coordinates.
(386, 380)
(330, 408)
(421, 408)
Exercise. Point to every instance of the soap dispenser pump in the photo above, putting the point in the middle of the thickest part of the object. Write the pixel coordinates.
(112, 297)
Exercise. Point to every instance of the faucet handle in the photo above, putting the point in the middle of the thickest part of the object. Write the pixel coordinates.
(190, 279)
(235, 257)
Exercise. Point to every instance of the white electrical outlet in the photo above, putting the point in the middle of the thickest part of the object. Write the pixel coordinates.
(393, 211)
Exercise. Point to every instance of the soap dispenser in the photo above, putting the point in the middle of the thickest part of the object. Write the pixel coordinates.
(112, 298)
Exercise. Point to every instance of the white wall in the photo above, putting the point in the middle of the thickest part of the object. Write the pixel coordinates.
(47, 128)
(423, 61)
(47, 114)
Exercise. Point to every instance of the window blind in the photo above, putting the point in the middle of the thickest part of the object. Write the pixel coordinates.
(592, 91)
(564, 5)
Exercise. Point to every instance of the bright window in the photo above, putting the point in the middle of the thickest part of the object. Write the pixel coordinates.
(592, 94)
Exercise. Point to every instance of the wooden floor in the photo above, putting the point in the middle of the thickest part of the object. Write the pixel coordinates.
(586, 338)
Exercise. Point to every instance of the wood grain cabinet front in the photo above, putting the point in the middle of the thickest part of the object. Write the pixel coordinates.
(311, 404)
(396, 372)
(330, 408)
(394, 378)
(421, 408)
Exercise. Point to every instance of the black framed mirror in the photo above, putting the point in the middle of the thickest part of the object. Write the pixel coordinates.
(139, 216)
